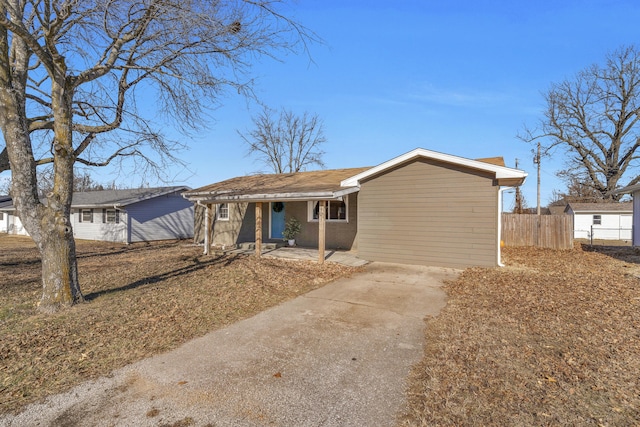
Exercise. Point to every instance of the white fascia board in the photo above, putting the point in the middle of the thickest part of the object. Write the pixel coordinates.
(346, 191)
(629, 189)
(500, 172)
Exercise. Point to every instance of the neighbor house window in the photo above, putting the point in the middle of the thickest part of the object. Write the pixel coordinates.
(597, 219)
(111, 216)
(86, 215)
(223, 212)
(336, 210)
(1, 216)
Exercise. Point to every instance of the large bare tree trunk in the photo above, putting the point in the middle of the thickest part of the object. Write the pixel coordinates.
(48, 224)
(60, 286)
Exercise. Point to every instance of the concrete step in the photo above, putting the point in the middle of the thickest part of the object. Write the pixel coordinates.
(265, 245)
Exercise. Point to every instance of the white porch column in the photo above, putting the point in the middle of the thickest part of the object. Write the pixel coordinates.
(258, 229)
(207, 233)
(321, 229)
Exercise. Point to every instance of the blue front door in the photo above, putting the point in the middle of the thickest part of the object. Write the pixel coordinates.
(277, 219)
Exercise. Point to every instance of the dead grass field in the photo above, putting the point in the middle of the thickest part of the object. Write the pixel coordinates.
(143, 299)
(553, 339)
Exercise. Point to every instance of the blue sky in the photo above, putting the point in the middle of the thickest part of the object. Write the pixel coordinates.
(460, 77)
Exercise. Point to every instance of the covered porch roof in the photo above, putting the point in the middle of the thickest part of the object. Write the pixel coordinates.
(300, 186)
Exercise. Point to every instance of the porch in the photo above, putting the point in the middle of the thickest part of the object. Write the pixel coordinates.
(279, 250)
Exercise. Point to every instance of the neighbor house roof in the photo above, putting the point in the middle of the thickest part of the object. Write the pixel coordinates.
(111, 198)
(504, 175)
(319, 185)
(599, 207)
(122, 197)
(5, 201)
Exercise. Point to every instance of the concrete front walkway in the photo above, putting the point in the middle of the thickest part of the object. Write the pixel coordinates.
(337, 356)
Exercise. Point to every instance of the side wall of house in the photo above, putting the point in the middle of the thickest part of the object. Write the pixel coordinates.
(636, 219)
(4, 222)
(14, 225)
(98, 228)
(160, 218)
(429, 213)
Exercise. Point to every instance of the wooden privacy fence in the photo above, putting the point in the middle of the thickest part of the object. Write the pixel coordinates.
(545, 231)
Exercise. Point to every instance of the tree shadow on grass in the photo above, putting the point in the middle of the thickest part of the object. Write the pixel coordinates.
(224, 260)
(627, 254)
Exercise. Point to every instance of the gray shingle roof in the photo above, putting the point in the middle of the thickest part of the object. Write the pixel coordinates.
(122, 197)
(109, 198)
(600, 207)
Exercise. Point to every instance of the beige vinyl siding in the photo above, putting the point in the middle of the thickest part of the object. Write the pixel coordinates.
(426, 212)
(339, 234)
(228, 232)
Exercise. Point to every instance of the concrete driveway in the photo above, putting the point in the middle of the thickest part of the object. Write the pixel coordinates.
(337, 356)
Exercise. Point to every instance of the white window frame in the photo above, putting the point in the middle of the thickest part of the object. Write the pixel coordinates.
(311, 206)
(597, 220)
(116, 216)
(222, 212)
(81, 215)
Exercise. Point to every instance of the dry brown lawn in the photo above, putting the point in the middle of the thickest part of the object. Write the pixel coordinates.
(552, 339)
(142, 299)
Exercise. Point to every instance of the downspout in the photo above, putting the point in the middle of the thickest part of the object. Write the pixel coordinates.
(500, 198)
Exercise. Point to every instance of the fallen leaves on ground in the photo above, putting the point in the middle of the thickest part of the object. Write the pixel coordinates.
(551, 339)
(143, 299)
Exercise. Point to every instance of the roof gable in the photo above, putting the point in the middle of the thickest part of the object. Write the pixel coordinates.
(504, 175)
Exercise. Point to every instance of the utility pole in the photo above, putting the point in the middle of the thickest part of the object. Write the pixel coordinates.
(518, 202)
(536, 160)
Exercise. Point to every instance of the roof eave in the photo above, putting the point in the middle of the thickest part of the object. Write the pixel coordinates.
(501, 173)
(205, 197)
(627, 190)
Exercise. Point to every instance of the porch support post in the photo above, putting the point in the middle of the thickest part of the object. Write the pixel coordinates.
(258, 229)
(321, 229)
(207, 233)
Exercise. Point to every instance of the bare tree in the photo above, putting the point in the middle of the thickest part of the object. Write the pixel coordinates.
(82, 181)
(81, 81)
(288, 143)
(593, 118)
(576, 191)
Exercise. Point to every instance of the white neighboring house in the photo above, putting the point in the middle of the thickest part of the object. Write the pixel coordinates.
(634, 190)
(9, 221)
(126, 216)
(604, 221)
(4, 216)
